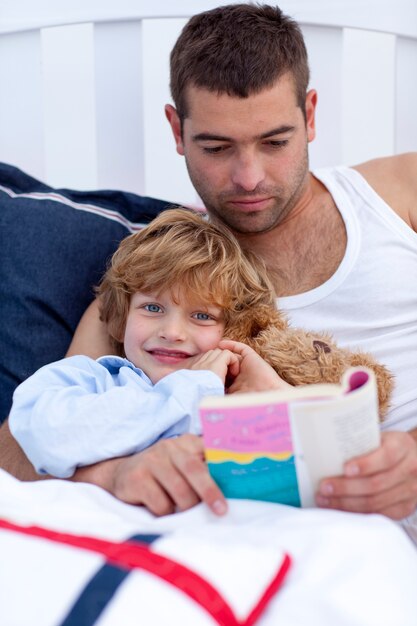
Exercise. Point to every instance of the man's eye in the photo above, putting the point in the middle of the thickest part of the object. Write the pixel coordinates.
(277, 144)
(152, 308)
(214, 149)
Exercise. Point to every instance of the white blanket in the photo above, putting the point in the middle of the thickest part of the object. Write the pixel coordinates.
(345, 569)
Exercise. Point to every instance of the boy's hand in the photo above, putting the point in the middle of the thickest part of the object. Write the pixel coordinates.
(254, 374)
(221, 362)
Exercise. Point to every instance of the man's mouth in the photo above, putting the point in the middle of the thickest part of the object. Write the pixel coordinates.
(249, 204)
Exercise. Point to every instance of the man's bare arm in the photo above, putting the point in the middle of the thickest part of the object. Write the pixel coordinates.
(12, 457)
(395, 180)
(91, 337)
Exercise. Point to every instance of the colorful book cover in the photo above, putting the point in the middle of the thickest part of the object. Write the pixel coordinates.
(249, 451)
(278, 445)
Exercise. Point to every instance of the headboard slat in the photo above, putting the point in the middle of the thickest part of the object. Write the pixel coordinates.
(119, 105)
(83, 106)
(406, 95)
(21, 101)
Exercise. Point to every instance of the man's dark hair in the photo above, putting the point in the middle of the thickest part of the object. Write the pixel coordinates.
(238, 49)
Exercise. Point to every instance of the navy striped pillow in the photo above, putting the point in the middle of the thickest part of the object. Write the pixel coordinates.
(55, 244)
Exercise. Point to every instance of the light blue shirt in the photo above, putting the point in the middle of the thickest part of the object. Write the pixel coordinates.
(78, 411)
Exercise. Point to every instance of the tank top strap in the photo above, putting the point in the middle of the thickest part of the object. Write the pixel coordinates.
(346, 202)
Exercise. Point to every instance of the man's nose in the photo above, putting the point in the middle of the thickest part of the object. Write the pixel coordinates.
(248, 172)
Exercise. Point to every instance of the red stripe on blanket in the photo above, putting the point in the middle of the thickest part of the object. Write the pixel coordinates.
(136, 556)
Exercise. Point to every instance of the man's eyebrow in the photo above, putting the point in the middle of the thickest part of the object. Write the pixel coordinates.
(270, 133)
(209, 137)
(277, 131)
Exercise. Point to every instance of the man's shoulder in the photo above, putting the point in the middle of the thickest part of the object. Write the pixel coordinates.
(403, 166)
(394, 178)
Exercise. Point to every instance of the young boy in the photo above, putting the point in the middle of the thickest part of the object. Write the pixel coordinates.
(167, 299)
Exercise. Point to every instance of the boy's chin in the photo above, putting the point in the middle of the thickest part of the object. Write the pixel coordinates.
(155, 377)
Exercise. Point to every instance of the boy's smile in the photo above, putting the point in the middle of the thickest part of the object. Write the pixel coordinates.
(165, 330)
(169, 356)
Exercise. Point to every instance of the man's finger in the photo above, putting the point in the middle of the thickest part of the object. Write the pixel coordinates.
(381, 482)
(156, 499)
(176, 486)
(395, 446)
(389, 504)
(135, 485)
(193, 467)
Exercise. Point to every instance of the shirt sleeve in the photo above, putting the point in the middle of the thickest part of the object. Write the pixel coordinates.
(73, 412)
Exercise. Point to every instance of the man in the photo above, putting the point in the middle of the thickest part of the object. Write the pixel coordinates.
(335, 243)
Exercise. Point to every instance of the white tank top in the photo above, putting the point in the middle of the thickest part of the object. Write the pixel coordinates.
(370, 302)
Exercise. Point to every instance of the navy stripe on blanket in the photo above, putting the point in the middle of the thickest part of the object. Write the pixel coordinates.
(97, 594)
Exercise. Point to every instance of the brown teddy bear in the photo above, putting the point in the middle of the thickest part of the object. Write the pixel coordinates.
(301, 357)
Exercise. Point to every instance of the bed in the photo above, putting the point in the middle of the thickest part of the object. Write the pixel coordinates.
(86, 158)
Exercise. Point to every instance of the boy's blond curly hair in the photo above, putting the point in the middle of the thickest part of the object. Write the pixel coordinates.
(180, 248)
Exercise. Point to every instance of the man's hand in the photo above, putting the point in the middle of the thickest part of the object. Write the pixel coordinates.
(383, 481)
(170, 474)
(255, 374)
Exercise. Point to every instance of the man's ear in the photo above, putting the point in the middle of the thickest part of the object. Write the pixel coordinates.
(311, 103)
(175, 123)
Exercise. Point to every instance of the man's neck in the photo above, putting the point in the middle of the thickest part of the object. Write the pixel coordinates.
(304, 250)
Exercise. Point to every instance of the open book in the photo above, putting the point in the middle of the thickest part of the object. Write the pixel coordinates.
(278, 445)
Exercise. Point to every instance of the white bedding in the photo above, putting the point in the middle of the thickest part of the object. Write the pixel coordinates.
(346, 569)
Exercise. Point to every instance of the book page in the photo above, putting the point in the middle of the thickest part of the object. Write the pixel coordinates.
(327, 433)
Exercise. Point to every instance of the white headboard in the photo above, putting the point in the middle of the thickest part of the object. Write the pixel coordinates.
(84, 84)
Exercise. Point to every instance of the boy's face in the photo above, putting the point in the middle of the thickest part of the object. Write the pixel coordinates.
(161, 335)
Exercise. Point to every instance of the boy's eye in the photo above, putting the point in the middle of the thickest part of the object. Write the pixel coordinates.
(202, 316)
(153, 308)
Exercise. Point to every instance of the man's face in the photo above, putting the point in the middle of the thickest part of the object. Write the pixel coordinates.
(247, 157)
